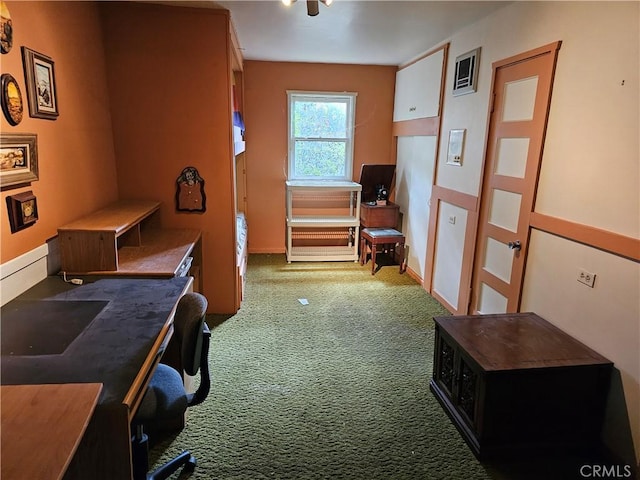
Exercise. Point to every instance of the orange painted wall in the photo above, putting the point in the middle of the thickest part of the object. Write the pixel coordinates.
(75, 152)
(169, 77)
(265, 104)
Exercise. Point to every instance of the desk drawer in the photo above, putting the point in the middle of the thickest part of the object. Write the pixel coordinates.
(183, 271)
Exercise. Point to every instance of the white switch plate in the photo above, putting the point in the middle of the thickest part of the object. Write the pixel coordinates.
(587, 278)
(452, 219)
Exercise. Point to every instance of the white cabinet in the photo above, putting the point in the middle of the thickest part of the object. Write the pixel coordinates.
(323, 220)
(418, 89)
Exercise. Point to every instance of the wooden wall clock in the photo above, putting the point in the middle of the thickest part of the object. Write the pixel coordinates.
(23, 210)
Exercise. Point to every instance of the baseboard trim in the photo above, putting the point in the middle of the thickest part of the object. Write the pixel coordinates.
(22, 273)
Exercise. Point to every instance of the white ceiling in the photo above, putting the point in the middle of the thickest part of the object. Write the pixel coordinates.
(373, 32)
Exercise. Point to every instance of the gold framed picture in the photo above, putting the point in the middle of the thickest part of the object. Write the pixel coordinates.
(11, 99)
(18, 158)
(41, 84)
(6, 29)
(23, 210)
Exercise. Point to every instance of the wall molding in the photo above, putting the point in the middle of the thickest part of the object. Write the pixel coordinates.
(23, 272)
(469, 203)
(614, 243)
(427, 126)
(414, 275)
(444, 47)
(623, 246)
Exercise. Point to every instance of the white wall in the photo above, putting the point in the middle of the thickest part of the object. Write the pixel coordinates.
(414, 177)
(605, 317)
(590, 171)
(449, 247)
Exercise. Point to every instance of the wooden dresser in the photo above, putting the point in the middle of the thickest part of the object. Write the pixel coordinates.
(127, 239)
(514, 383)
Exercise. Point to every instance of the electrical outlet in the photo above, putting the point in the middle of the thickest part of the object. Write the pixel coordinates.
(587, 278)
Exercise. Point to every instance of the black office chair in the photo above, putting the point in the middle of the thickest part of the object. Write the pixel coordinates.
(166, 397)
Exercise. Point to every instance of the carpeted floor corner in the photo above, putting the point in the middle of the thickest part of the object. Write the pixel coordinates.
(336, 389)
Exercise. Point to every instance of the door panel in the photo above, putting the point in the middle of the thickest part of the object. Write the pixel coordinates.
(519, 99)
(511, 157)
(522, 94)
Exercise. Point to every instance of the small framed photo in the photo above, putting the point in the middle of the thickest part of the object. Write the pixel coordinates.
(18, 158)
(23, 210)
(41, 84)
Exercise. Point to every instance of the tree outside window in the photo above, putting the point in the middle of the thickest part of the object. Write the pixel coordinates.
(321, 135)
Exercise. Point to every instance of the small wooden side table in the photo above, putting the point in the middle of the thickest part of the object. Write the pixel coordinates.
(391, 241)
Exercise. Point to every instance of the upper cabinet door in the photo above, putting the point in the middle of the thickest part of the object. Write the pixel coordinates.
(418, 88)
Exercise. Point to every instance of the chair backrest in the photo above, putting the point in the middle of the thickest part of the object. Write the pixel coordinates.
(193, 333)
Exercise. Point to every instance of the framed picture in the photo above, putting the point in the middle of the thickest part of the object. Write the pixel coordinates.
(18, 158)
(23, 210)
(41, 84)
(6, 29)
(11, 99)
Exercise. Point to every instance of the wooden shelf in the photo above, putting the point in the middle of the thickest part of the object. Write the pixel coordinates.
(322, 221)
(324, 253)
(126, 239)
(165, 253)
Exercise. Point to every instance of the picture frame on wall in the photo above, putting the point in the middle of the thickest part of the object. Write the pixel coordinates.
(23, 210)
(40, 78)
(11, 99)
(18, 159)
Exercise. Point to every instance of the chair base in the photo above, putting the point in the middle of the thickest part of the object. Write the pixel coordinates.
(140, 454)
(185, 459)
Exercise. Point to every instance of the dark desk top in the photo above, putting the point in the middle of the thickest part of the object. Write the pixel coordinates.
(125, 318)
(513, 341)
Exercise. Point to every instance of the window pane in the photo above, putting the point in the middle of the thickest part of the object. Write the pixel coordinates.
(320, 119)
(319, 159)
(321, 128)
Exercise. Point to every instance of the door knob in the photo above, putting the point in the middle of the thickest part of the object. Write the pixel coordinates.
(514, 245)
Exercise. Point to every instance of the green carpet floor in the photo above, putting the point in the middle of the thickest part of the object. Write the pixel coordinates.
(336, 389)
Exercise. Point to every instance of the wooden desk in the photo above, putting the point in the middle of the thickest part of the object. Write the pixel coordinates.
(120, 348)
(31, 414)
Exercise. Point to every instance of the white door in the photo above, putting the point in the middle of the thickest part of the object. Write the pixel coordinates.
(522, 95)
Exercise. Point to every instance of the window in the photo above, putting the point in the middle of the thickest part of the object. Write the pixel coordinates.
(321, 129)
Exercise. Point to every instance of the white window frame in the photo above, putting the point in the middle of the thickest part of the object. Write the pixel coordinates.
(349, 98)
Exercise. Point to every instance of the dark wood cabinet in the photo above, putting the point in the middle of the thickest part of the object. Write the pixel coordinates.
(514, 383)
